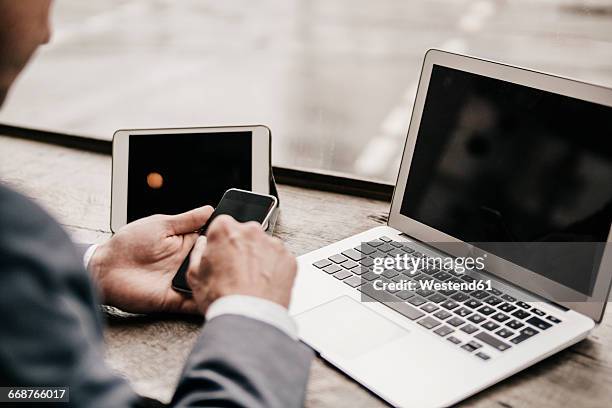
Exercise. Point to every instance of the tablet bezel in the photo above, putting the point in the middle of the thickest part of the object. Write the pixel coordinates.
(260, 159)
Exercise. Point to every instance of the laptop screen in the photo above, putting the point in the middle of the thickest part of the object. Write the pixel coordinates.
(500, 162)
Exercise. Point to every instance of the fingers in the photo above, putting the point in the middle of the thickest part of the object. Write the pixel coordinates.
(189, 306)
(196, 253)
(189, 241)
(189, 221)
(222, 226)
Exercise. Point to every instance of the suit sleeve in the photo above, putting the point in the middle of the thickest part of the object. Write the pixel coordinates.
(242, 362)
(51, 331)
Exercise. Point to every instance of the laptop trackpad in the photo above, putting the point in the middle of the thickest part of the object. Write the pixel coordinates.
(346, 328)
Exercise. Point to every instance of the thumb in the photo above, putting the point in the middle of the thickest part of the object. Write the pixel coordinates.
(189, 221)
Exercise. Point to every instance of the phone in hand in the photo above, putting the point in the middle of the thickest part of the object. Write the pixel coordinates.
(243, 206)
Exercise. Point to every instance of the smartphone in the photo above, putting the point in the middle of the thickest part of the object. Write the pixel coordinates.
(243, 206)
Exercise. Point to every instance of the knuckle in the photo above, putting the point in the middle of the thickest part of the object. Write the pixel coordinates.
(222, 225)
(252, 228)
(277, 244)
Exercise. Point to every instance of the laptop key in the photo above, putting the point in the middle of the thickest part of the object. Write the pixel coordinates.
(480, 294)
(476, 318)
(449, 304)
(385, 248)
(397, 244)
(436, 298)
(514, 324)
(443, 331)
(469, 329)
(366, 249)
(400, 279)
(482, 355)
(496, 292)
(460, 297)
(405, 294)
(463, 311)
(405, 310)
(505, 333)
(524, 335)
(377, 254)
(390, 273)
(332, 269)
(508, 298)
(366, 262)
(442, 314)
(537, 312)
(453, 340)
(338, 258)
(467, 278)
(523, 305)
(486, 310)
(468, 348)
(455, 321)
(359, 270)
(416, 300)
(349, 264)
(442, 276)
(353, 281)
(429, 307)
(493, 301)
(375, 243)
(425, 292)
(428, 322)
(370, 276)
(385, 238)
(342, 274)
(506, 307)
(475, 344)
(492, 341)
(370, 291)
(391, 302)
(490, 326)
(553, 319)
(500, 317)
(521, 314)
(322, 263)
(539, 323)
(352, 254)
(473, 303)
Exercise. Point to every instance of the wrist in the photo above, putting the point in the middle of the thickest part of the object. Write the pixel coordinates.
(97, 268)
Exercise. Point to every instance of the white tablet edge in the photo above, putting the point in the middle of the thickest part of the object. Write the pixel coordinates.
(260, 175)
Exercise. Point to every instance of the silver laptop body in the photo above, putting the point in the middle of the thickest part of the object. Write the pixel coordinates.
(434, 348)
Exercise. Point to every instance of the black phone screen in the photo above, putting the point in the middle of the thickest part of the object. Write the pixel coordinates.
(243, 206)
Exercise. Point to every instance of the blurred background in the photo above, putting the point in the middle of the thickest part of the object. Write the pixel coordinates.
(334, 79)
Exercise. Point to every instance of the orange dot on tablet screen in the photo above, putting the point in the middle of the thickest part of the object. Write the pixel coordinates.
(155, 180)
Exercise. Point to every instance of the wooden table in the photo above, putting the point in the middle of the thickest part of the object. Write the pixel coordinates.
(149, 351)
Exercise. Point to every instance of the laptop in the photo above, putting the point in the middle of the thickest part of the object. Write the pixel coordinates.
(495, 254)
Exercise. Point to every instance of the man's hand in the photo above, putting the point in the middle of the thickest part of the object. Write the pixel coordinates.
(134, 269)
(240, 259)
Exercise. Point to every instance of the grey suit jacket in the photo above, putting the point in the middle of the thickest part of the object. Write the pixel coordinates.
(51, 332)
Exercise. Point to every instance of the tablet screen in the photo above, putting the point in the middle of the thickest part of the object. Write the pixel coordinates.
(173, 173)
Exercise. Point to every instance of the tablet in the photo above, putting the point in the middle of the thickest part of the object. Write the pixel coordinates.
(169, 171)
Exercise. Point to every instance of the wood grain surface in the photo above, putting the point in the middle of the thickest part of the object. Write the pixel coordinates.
(149, 350)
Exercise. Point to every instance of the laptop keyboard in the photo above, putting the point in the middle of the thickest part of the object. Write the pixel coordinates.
(489, 317)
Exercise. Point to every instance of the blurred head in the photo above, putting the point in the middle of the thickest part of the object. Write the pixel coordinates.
(24, 25)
